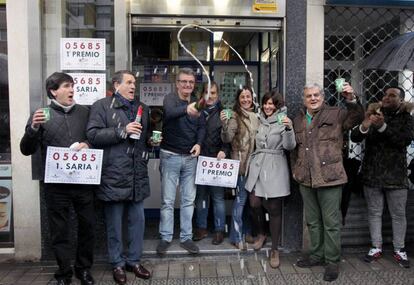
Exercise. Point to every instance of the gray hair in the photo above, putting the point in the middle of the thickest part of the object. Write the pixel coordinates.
(314, 85)
(119, 76)
(187, 71)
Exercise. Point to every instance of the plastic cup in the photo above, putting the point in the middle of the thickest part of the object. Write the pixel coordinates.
(46, 112)
(229, 113)
(339, 84)
(280, 117)
(156, 136)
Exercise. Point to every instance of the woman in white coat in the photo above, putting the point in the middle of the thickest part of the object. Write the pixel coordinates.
(268, 172)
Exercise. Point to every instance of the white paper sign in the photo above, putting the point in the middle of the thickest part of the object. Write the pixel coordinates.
(82, 54)
(152, 94)
(64, 165)
(89, 87)
(214, 172)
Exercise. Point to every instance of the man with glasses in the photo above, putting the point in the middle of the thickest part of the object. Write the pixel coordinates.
(317, 167)
(388, 128)
(183, 132)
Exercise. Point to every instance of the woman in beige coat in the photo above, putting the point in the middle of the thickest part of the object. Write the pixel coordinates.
(240, 131)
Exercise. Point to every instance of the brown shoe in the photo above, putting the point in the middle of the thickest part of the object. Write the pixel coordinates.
(119, 276)
(274, 259)
(259, 242)
(218, 238)
(200, 234)
(139, 271)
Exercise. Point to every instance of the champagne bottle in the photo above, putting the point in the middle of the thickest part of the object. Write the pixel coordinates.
(201, 104)
(138, 120)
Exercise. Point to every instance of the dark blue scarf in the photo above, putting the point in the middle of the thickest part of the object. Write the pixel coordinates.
(130, 105)
(210, 109)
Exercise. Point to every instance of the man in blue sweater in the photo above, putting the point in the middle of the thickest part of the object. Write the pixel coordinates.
(183, 132)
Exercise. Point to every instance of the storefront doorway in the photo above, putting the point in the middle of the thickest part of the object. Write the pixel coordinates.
(156, 57)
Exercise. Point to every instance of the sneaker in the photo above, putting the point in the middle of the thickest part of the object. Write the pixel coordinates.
(200, 234)
(308, 262)
(331, 272)
(162, 247)
(190, 246)
(401, 258)
(373, 254)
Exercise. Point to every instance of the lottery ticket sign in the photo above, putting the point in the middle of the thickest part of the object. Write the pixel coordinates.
(82, 54)
(64, 165)
(152, 94)
(214, 172)
(89, 87)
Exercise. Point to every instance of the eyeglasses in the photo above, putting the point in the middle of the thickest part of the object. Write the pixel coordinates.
(185, 82)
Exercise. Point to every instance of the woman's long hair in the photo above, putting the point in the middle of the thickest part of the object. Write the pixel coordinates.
(240, 115)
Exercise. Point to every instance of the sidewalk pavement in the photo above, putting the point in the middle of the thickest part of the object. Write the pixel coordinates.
(250, 268)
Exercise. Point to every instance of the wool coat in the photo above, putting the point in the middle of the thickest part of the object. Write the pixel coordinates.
(268, 172)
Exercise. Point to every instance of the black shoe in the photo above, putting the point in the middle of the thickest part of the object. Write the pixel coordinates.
(84, 276)
(162, 247)
(190, 246)
(119, 276)
(308, 262)
(64, 281)
(331, 272)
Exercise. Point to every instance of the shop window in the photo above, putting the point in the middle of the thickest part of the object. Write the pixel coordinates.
(6, 219)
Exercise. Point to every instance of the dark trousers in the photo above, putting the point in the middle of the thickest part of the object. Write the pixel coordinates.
(59, 199)
(274, 208)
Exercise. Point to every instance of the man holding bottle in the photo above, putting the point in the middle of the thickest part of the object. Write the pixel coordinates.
(119, 124)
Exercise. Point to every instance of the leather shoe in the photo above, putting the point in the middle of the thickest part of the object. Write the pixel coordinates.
(139, 271)
(331, 272)
(200, 234)
(84, 276)
(119, 276)
(218, 238)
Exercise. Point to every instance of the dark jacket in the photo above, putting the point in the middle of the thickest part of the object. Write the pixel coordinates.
(385, 157)
(212, 143)
(124, 168)
(180, 131)
(62, 130)
(317, 158)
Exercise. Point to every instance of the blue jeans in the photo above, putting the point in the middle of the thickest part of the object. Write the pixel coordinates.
(135, 236)
(237, 229)
(217, 196)
(177, 170)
